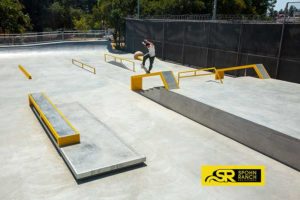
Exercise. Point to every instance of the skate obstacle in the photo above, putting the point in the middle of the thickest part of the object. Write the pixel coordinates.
(167, 77)
(95, 151)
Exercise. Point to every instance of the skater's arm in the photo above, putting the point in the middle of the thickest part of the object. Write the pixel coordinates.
(147, 41)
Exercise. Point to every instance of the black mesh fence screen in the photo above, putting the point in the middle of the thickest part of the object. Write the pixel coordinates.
(174, 52)
(224, 36)
(261, 39)
(214, 44)
(291, 42)
(196, 34)
(194, 55)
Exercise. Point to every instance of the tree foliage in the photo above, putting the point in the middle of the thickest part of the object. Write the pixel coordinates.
(96, 14)
(12, 17)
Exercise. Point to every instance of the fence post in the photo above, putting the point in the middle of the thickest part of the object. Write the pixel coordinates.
(163, 42)
(239, 45)
(205, 27)
(208, 45)
(279, 50)
(183, 43)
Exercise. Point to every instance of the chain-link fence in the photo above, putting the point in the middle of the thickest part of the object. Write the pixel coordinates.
(222, 44)
(42, 37)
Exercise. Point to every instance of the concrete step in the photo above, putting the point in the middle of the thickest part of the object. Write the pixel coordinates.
(274, 143)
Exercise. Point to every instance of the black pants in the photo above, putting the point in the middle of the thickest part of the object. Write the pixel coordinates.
(151, 59)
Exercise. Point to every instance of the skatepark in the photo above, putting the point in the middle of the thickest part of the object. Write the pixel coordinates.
(138, 144)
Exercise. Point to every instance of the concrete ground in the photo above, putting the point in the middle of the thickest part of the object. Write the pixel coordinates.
(269, 102)
(175, 146)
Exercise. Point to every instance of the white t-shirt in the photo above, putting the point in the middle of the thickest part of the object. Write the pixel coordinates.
(151, 51)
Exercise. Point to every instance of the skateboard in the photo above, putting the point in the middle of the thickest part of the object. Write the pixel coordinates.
(144, 68)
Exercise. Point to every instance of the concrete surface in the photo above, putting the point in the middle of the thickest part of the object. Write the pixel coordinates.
(100, 150)
(175, 146)
(268, 102)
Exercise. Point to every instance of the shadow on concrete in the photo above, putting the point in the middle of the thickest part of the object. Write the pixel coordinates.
(111, 50)
(214, 81)
(111, 173)
(121, 65)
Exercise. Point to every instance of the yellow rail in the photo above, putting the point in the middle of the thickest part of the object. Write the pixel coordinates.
(83, 66)
(61, 140)
(137, 80)
(121, 60)
(220, 72)
(193, 73)
(25, 72)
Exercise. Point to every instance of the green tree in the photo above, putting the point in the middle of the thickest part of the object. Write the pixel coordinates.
(12, 17)
(272, 12)
(172, 7)
(38, 13)
(113, 13)
(82, 23)
(291, 10)
(57, 15)
(95, 14)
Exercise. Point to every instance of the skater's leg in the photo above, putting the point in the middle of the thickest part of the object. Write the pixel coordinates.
(151, 63)
(146, 56)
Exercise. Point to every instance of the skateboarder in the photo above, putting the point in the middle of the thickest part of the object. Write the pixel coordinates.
(151, 55)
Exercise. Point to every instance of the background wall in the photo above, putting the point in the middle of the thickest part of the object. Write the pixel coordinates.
(206, 44)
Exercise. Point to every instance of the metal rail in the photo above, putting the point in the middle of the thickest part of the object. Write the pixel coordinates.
(208, 17)
(83, 65)
(40, 37)
(260, 74)
(25, 72)
(193, 73)
(137, 80)
(121, 60)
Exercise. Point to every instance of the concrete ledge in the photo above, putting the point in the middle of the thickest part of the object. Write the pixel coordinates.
(272, 143)
(100, 150)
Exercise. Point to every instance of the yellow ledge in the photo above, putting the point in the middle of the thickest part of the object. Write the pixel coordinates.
(60, 140)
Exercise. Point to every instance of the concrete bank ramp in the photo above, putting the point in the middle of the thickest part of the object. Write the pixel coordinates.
(277, 144)
(100, 150)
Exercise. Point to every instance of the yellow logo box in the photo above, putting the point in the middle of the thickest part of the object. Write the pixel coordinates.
(233, 175)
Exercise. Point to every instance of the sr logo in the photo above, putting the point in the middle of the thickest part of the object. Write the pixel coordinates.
(221, 176)
(232, 175)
